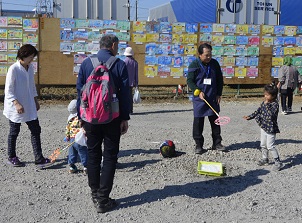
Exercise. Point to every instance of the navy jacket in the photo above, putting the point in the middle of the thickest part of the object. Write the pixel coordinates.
(119, 75)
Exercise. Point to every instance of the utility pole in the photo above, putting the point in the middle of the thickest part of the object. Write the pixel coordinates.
(135, 10)
(128, 10)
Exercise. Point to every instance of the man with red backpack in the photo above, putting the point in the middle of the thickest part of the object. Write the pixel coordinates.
(98, 131)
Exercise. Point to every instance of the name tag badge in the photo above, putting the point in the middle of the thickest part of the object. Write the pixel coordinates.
(207, 81)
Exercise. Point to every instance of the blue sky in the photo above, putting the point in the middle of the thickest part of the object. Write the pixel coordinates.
(143, 6)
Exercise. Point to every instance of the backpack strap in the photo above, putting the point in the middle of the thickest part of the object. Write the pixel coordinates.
(111, 61)
(94, 60)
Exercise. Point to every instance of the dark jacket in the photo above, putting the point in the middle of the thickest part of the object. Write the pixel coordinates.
(197, 72)
(120, 78)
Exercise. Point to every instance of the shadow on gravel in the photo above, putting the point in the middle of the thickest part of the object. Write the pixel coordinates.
(220, 187)
(160, 112)
(292, 161)
(135, 165)
(130, 152)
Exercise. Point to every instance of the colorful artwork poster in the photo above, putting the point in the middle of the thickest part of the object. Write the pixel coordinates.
(3, 70)
(289, 40)
(165, 60)
(123, 36)
(165, 37)
(139, 26)
(188, 60)
(178, 27)
(289, 51)
(267, 29)
(274, 72)
(122, 25)
(178, 38)
(229, 50)
(241, 61)
(299, 40)
(152, 37)
(228, 71)
(242, 29)
(279, 30)
(3, 33)
(290, 30)
(66, 47)
(14, 21)
(80, 47)
(267, 40)
(30, 38)
(3, 58)
(30, 23)
(206, 28)
(240, 72)
(92, 47)
(252, 72)
(80, 35)
(298, 50)
(186, 71)
(152, 26)
(164, 49)
(191, 27)
(241, 51)
(299, 70)
(217, 39)
(163, 71)
(151, 60)
(277, 61)
(3, 45)
(14, 46)
(242, 40)
(229, 61)
(3, 21)
(11, 58)
(299, 30)
(81, 23)
(218, 28)
(253, 51)
(178, 49)
(178, 61)
(205, 37)
(14, 33)
(297, 61)
(151, 49)
(254, 40)
(217, 50)
(230, 40)
(278, 40)
(219, 60)
(139, 37)
(121, 48)
(150, 70)
(66, 35)
(79, 58)
(177, 71)
(190, 38)
(95, 24)
(165, 27)
(230, 28)
(190, 49)
(252, 61)
(67, 23)
(94, 35)
(254, 29)
(76, 69)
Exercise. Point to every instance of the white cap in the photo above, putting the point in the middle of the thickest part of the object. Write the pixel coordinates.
(128, 51)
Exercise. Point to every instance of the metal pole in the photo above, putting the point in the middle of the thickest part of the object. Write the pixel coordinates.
(128, 10)
(136, 10)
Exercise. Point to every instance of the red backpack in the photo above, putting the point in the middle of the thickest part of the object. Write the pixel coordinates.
(99, 103)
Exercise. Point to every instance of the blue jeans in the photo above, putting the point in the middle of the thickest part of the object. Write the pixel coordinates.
(75, 150)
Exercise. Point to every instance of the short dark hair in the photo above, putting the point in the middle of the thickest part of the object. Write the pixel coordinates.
(108, 40)
(204, 45)
(271, 89)
(26, 50)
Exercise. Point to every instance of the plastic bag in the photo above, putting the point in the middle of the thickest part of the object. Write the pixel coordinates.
(136, 96)
(80, 138)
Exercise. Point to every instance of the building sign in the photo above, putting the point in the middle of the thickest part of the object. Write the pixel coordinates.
(249, 11)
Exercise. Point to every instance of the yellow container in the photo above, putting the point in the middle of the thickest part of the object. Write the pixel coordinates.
(210, 168)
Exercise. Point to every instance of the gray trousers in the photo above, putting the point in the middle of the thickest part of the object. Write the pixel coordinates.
(268, 143)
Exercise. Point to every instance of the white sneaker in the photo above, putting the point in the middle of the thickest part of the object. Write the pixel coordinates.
(284, 113)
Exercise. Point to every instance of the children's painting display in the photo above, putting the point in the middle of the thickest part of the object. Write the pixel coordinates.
(14, 32)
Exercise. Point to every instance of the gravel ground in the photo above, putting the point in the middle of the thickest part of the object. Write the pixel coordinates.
(153, 189)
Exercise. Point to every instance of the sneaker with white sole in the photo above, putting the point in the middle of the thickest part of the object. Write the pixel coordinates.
(72, 168)
(15, 161)
(278, 166)
(262, 162)
(284, 112)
